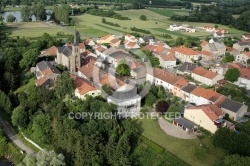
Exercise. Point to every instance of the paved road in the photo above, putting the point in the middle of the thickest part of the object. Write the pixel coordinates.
(174, 131)
(14, 138)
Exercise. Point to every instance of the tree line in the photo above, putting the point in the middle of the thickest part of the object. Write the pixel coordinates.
(220, 14)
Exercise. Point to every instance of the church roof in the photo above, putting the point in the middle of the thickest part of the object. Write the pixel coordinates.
(65, 50)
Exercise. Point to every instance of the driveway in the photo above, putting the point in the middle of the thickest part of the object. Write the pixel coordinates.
(174, 131)
(14, 138)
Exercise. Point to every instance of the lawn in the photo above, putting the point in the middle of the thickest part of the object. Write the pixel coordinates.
(34, 29)
(24, 87)
(183, 149)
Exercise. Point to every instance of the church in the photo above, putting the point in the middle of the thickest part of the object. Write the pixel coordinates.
(69, 55)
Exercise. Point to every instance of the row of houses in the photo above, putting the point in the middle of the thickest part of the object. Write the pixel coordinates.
(181, 88)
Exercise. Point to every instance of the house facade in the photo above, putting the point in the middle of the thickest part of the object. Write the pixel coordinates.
(207, 116)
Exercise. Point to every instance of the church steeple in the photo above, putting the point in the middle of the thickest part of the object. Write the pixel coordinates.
(75, 39)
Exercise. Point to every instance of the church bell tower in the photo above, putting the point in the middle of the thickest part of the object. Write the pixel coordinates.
(76, 58)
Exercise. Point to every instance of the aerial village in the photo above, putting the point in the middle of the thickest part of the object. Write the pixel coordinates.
(179, 74)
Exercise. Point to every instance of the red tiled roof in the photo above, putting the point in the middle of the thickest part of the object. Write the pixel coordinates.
(247, 54)
(149, 47)
(235, 65)
(130, 44)
(182, 82)
(50, 51)
(114, 41)
(186, 51)
(204, 43)
(245, 73)
(105, 37)
(165, 76)
(207, 53)
(88, 67)
(83, 86)
(168, 57)
(100, 49)
(211, 110)
(41, 81)
(204, 73)
(202, 92)
(111, 81)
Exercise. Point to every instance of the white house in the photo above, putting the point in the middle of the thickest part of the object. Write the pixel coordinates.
(84, 88)
(244, 79)
(243, 57)
(127, 100)
(205, 76)
(185, 54)
(167, 60)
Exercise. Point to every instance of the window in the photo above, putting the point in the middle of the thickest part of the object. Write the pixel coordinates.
(93, 93)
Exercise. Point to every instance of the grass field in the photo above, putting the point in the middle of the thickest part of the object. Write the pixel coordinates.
(34, 29)
(170, 12)
(183, 149)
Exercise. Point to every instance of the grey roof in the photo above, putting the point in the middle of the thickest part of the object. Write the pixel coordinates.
(66, 50)
(189, 88)
(243, 43)
(231, 105)
(110, 51)
(147, 38)
(121, 96)
(44, 65)
(118, 55)
(186, 66)
(186, 123)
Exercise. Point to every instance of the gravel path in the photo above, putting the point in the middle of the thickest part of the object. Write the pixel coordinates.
(14, 138)
(174, 131)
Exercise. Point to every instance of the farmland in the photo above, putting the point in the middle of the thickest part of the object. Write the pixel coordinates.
(91, 26)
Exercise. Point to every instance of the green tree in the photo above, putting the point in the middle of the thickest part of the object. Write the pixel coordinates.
(20, 117)
(216, 26)
(228, 58)
(232, 75)
(150, 99)
(25, 13)
(43, 157)
(236, 160)
(5, 103)
(39, 11)
(143, 18)
(10, 18)
(103, 20)
(41, 128)
(64, 85)
(29, 58)
(123, 69)
(246, 49)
